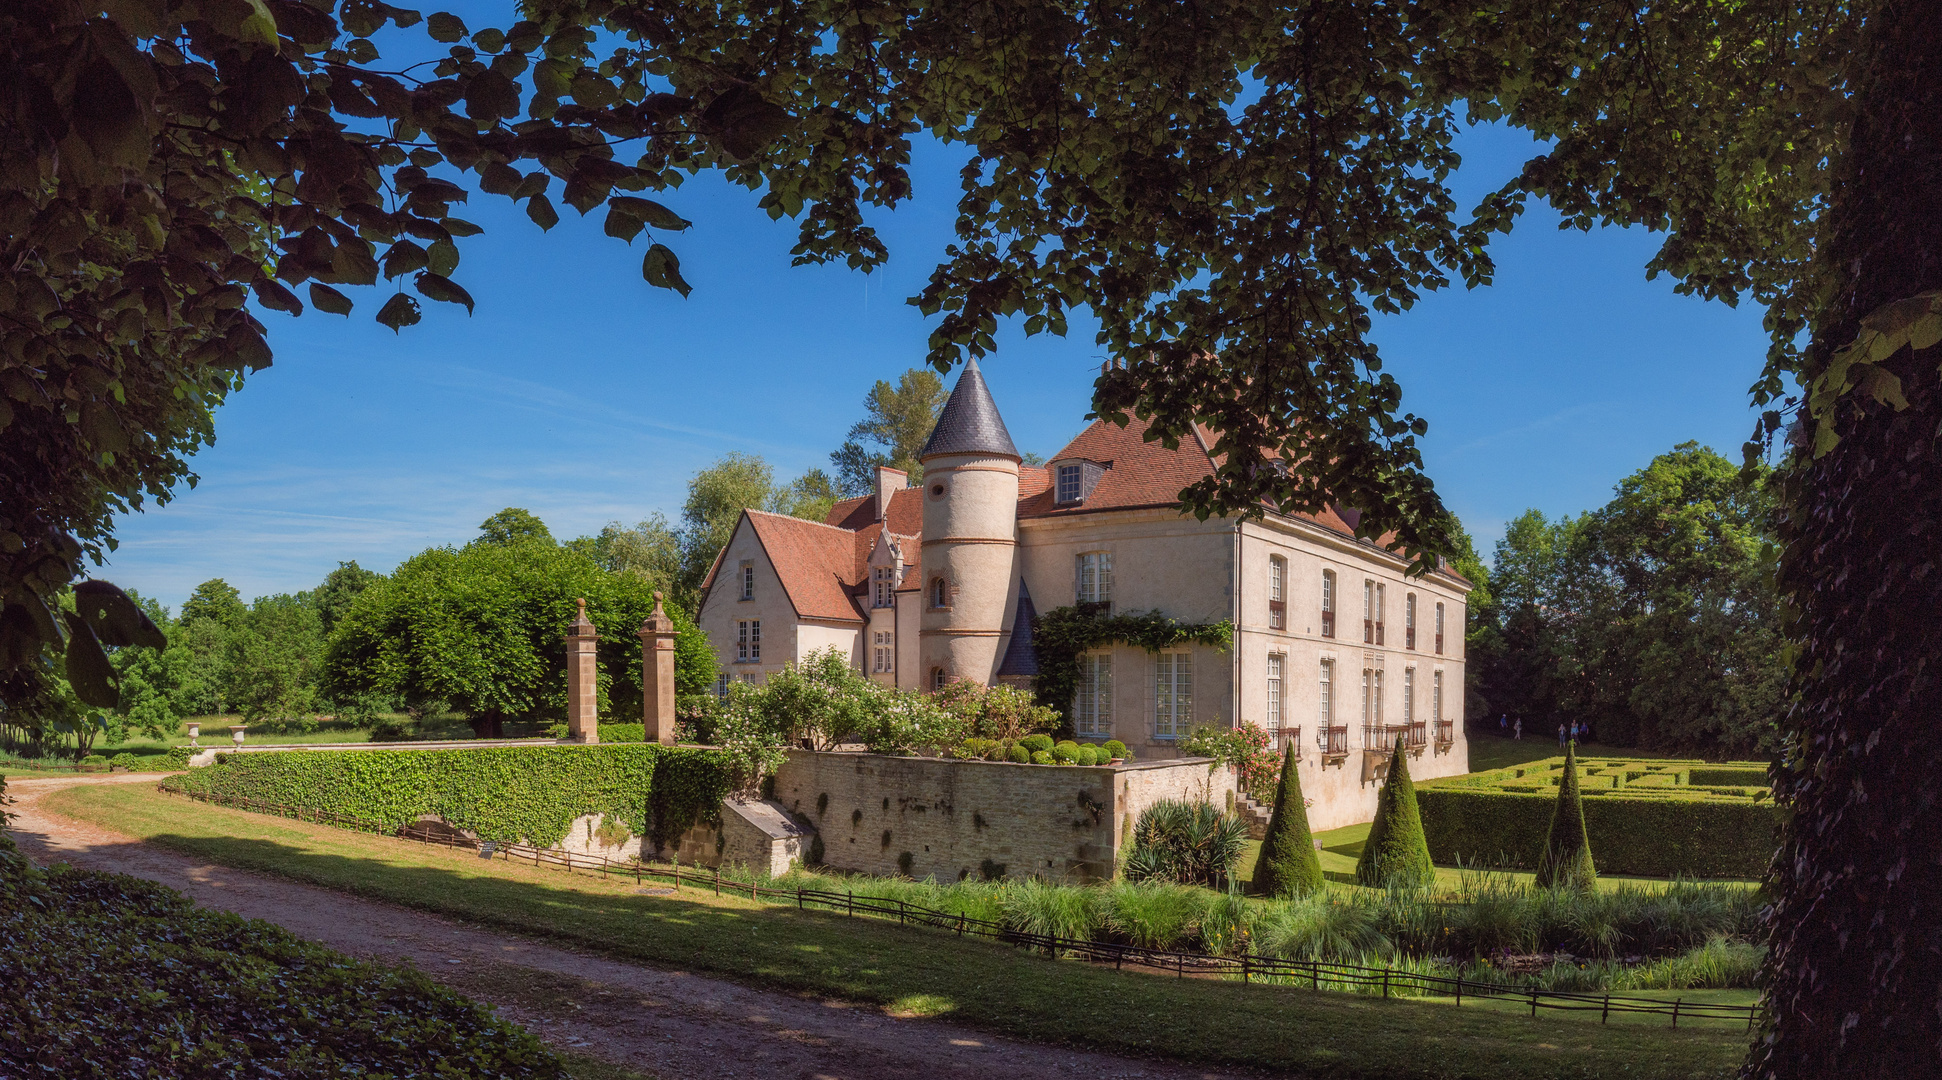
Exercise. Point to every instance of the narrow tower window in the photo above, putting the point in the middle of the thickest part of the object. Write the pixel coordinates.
(1277, 593)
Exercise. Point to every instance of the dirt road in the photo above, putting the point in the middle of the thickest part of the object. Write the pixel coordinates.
(669, 1024)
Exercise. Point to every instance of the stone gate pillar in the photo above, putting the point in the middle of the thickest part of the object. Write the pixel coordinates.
(657, 676)
(582, 681)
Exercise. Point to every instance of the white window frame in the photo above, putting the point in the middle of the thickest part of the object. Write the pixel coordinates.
(1439, 629)
(1092, 705)
(748, 641)
(1277, 593)
(885, 579)
(1276, 662)
(1409, 621)
(1094, 577)
(1436, 697)
(748, 579)
(1328, 603)
(883, 648)
(1173, 693)
(1328, 694)
(1409, 695)
(1076, 490)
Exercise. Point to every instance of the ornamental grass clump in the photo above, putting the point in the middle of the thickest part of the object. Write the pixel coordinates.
(1288, 865)
(1566, 861)
(1153, 915)
(1396, 855)
(1323, 927)
(1035, 906)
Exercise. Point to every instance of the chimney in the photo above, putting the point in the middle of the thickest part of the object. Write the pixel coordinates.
(889, 482)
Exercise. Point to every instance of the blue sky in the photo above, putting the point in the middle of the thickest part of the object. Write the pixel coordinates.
(579, 393)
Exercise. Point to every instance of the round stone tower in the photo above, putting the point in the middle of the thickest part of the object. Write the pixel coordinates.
(970, 535)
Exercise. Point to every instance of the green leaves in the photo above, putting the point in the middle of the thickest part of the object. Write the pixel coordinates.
(114, 618)
(445, 26)
(88, 671)
(399, 312)
(1914, 323)
(325, 298)
(443, 288)
(663, 271)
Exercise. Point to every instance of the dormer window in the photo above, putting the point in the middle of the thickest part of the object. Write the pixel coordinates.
(748, 579)
(885, 586)
(1072, 482)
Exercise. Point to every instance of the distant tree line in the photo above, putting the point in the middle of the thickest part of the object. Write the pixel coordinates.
(1653, 618)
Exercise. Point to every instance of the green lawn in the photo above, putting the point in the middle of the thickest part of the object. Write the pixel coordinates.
(910, 971)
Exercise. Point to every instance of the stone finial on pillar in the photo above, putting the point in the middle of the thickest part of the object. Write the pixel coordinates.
(582, 681)
(657, 676)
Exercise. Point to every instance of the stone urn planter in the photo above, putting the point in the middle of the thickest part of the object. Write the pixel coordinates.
(236, 732)
(195, 732)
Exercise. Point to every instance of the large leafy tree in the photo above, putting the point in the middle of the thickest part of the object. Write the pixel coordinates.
(482, 630)
(897, 419)
(1654, 616)
(1232, 189)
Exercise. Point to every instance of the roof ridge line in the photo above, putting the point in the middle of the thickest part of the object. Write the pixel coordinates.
(806, 521)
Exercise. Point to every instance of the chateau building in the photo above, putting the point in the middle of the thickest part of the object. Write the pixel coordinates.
(1334, 648)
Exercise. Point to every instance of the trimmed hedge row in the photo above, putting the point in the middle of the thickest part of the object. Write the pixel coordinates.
(113, 976)
(1650, 837)
(529, 794)
(1730, 776)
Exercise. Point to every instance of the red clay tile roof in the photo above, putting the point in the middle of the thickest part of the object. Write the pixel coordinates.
(817, 564)
(1140, 473)
(906, 512)
(1143, 474)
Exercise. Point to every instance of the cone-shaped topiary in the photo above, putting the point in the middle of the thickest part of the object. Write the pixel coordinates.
(1566, 862)
(1288, 866)
(1396, 854)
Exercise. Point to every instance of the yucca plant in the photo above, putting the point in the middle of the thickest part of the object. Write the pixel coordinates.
(1185, 842)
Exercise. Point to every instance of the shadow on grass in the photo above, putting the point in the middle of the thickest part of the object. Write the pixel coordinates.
(921, 972)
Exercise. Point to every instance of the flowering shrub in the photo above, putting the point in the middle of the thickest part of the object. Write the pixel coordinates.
(1004, 713)
(1245, 748)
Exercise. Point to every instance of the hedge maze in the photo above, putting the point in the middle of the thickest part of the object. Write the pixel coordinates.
(1649, 818)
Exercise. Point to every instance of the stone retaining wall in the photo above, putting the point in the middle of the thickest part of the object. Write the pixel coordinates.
(925, 817)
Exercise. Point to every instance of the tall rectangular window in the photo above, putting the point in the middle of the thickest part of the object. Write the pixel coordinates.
(1368, 699)
(1328, 603)
(748, 641)
(884, 580)
(1409, 621)
(1274, 692)
(1368, 612)
(1096, 577)
(883, 652)
(1071, 483)
(1328, 694)
(1379, 606)
(1173, 694)
(1277, 593)
(748, 580)
(1092, 709)
(1439, 629)
(1409, 695)
(1436, 696)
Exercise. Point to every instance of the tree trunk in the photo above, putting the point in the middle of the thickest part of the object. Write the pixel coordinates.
(1856, 921)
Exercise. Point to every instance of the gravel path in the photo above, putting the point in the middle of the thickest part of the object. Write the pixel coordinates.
(666, 1023)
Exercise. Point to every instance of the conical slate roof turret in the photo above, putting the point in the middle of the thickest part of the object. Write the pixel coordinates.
(1021, 658)
(970, 423)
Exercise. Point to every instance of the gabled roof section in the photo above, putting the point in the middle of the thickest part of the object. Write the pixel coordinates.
(817, 563)
(970, 423)
(906, 516)
(1139, 474)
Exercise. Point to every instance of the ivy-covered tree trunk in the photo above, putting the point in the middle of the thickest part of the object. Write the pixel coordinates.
(1857, 920)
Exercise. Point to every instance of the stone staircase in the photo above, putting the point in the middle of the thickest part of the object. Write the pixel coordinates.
(1255, 814)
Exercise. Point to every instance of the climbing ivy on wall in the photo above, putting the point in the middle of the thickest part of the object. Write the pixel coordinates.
(1062, 635)
(528, 794)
